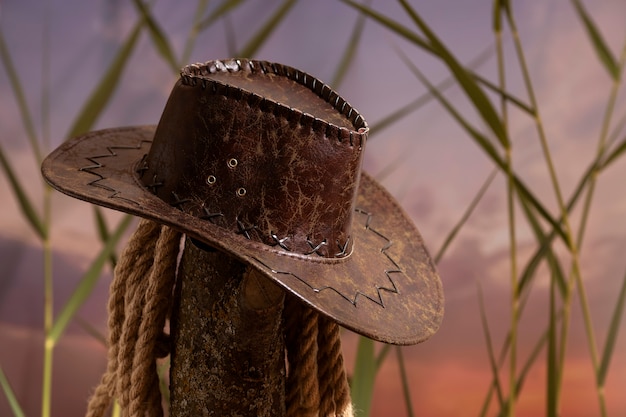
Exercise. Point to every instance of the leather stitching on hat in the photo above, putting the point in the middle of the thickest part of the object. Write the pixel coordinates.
(210, 216)
(280, 242)
(242, 229)
(178, 203)
(96, 165)
(195, 74)
(354, 300)
(315, 248)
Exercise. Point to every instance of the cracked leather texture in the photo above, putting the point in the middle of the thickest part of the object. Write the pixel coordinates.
(300, 184)
(308, 219)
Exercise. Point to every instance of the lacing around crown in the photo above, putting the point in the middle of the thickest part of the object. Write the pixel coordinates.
(197, 74)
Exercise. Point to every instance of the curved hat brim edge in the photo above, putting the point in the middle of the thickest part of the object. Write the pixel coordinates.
(98, 167)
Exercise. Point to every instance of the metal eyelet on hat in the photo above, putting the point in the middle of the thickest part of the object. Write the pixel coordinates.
(211, 179)
(241, 192)
(232, 163)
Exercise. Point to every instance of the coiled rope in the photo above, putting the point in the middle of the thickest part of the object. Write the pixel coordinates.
(140, 300)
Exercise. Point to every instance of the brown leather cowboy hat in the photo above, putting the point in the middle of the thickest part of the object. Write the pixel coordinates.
(263, 161)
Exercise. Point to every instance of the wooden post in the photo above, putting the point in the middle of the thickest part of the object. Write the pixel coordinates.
(227, 339)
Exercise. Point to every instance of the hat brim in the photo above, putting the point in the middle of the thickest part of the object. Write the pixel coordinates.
(387, 288)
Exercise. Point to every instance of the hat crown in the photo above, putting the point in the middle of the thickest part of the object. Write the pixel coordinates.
(263, 150)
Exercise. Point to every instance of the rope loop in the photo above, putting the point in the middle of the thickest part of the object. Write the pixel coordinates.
(139, 305)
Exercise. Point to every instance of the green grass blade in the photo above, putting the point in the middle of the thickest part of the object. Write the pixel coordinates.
(101, 224)
(266, 30)
(85, 287)
(16, 85)
(552, 383)
(363, 378)
(497, 16)
(617, 129)
(482, 141)
(545, 242)
(224, 7)
(406, 390)
(10, 395)
(382, 355)
(103, 231)
(499, 7)
(615, 154)
(544, 252)
(348, 54)
(411, 36)
(490, 353)
(194, 31)
(489, 149)
(391, 24)
(508, 96)
(426, 97)
(463, 77)
(407, 109)
(28, 210)
(528, 196)
(543, 140)
(485, 407)
(159, 39)
(45, 80)
(92, 331)
(532, 358)
(466, 215)
(103, 92)
(599, 44)
(611, 337)
(528, 365)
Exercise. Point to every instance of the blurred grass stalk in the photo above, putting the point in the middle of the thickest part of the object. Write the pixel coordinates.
(95, 104)
(520, 288)
(496, 144)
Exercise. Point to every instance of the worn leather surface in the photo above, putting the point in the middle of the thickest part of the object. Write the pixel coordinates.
(278, 176)
(303, 186)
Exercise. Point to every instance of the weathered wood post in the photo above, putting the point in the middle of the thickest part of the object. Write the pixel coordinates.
(227, 339)
(260, 165)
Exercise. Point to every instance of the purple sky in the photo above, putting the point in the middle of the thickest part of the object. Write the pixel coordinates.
(435, 172)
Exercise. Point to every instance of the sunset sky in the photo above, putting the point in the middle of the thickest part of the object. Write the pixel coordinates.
(425, 160)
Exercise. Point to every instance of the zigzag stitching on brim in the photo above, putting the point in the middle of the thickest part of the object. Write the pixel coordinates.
(354, 300)
(91, 169)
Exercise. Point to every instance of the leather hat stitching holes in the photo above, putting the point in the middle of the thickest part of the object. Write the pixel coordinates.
(219, 66)
(318, 125)
(211, 179)
(233, 65)
(241, 192)
(276, 69)
(232, 163)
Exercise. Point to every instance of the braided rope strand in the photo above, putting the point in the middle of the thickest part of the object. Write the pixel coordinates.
(334, 389)
(135, 258)
(136, 289)
(302, 396)
(140, 301)
(157, 303)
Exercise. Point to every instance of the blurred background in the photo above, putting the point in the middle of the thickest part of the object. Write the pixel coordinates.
(61, 51)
